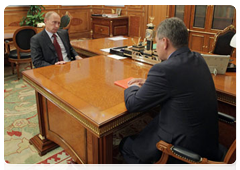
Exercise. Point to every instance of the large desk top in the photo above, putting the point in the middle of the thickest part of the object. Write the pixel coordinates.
(226, 83)
(95, 45)
(86, 87)
(223, 83)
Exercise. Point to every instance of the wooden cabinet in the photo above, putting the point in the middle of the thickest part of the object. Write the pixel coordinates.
(108, 27)
(182, 12)
(203, 22)
(212, 18)
(201, 42)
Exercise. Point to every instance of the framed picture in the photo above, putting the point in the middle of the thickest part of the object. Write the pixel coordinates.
(118, 11)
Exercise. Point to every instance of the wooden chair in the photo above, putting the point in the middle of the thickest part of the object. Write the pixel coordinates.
(22, 54)
(66, 21)
(190, 157)
(9, 42)
(222, 39)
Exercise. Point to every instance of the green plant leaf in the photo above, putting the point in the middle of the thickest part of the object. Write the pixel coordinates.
(34, 15)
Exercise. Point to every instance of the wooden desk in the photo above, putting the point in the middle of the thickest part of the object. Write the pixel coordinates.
(226, 85)
(226, 91)
(92, 47)
(79, 107)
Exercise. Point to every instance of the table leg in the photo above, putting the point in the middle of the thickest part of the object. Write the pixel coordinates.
(40, 141)
(100, 150)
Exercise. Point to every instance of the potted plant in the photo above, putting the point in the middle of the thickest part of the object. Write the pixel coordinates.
(34, 16)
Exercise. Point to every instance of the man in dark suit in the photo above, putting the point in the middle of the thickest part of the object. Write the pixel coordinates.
(52, 46)
(183, 87)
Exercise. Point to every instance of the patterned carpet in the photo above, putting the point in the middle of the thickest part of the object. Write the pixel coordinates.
(21, 124)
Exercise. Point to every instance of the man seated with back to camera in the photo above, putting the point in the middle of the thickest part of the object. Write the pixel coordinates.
(183, 87)
(52, 45)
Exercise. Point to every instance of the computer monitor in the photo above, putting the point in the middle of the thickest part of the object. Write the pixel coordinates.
(217, 64)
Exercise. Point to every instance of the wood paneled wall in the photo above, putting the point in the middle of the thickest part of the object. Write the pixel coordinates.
(81, 22)
(13, 15)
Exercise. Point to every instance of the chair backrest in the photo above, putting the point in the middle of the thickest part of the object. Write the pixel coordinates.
(22, 37)
(227, 133)
(227, 130)
(222, 41)
(65, 21)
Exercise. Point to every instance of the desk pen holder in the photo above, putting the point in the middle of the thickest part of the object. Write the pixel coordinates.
(145, 57)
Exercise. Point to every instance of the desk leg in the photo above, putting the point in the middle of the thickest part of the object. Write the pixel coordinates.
(100, 150)
(106, 150)
(40, 141)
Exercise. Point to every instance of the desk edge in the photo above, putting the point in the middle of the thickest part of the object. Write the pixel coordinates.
(97, 130)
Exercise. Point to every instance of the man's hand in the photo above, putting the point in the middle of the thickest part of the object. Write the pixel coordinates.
(60, 62)
(136, 81)
(78, 57)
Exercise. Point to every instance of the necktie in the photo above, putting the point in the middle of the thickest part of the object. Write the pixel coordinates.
(57, 48)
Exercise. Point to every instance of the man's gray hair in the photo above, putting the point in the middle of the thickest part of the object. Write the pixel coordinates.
(48, 14)
(175, 30)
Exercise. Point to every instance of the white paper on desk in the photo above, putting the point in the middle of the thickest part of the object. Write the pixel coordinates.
(106, 50)
(116, 57)
(117, 38)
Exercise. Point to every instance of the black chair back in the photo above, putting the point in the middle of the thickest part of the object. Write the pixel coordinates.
(65, 20)
(23, 38)
(222, 41)
(223, 44)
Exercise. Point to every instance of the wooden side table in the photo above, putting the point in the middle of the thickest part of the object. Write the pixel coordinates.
(109, 27)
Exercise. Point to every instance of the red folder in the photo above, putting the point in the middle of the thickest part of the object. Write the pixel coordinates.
(123, 83)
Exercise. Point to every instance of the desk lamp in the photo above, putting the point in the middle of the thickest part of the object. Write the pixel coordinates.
(231, 66)
(233, 41)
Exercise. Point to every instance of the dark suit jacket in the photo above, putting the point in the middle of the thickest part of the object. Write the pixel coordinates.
(43, 52)
(183, 87)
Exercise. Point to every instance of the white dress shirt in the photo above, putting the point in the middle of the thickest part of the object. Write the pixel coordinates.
(64, 52)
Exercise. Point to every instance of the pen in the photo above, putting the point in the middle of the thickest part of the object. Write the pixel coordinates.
(139, 40)
(144, 41)
(133, 41)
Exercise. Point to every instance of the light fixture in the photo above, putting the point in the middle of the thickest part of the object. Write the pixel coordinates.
(232, 67)
(233, 41)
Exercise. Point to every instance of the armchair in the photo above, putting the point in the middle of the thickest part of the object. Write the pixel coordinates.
(222, 40)
(193, 158)
(22, 53)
